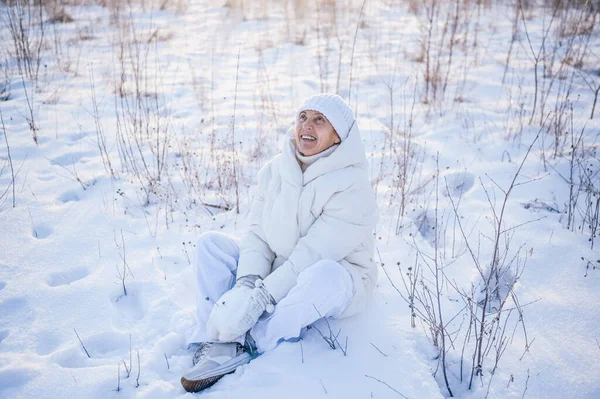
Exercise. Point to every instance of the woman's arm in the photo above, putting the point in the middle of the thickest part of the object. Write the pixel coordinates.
(347, 221)
(256, 257)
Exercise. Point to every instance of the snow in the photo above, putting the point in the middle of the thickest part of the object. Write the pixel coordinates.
(219, 83)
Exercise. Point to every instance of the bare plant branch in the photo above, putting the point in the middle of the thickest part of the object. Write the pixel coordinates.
(82, 345)
(12, 170)
(378, 350)
(387, 385)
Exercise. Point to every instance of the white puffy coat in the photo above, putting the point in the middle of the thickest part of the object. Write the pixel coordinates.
(297, 219)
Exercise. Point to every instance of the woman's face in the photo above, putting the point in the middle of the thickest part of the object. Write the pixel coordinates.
(314, 133)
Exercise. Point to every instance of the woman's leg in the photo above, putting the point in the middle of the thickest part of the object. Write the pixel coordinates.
(323, 290)
(215, 265)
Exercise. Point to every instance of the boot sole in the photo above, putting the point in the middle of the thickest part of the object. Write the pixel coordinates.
(197, 386)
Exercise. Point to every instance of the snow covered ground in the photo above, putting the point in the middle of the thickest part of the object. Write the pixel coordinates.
(151, 121)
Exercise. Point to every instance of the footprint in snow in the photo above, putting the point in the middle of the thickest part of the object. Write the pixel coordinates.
(4, 90)
(130, 307)
(107, 342)
(458, 183)
(67, 159)
(426, 226)
(12, 306)
(68, 196)
(3, 335)
(76, 136)
(15, 377)
(16, 311)
(41, 231)
(101, 345)
(2, 285)
(47, 342)
(46, 176)
(72, 357)
(67, 277)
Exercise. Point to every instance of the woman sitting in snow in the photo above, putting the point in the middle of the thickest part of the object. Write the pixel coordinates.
(308, 252)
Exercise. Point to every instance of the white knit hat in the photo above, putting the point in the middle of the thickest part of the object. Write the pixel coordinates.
(335, 109)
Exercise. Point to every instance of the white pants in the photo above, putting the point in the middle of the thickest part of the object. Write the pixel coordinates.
(326, 286)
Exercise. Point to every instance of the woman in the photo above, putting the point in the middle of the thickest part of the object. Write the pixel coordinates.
(308, 252)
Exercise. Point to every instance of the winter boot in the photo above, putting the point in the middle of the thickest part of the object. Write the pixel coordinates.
(211, 362)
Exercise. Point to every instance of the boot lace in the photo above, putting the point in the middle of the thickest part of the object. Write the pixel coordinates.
(201, 352)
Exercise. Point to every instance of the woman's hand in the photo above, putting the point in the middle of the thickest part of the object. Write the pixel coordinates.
(237, 311)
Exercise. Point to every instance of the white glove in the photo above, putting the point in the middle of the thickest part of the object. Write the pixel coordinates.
(243, 284)
(237, 311)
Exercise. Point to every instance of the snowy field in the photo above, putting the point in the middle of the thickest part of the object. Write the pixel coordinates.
(129, 128)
